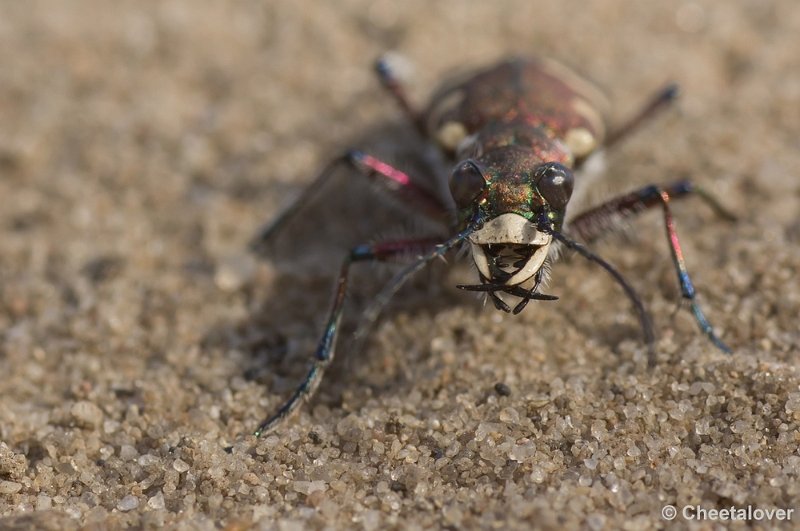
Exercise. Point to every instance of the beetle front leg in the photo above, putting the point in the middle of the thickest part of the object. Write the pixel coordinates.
(326, 347)
(600, 219)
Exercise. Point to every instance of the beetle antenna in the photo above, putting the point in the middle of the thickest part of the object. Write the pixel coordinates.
(644, 318)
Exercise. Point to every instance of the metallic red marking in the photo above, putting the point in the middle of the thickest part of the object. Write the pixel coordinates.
(386, 170)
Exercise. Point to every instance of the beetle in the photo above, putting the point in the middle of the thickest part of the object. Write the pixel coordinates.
(521, 135)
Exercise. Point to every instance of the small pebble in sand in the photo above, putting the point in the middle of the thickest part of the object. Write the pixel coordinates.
(128, 503)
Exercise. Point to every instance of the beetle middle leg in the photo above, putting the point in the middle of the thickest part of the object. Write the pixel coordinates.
(599, 220)
(396, 181)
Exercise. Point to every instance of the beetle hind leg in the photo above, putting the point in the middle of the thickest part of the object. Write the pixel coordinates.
(387, 75)
(660, 101)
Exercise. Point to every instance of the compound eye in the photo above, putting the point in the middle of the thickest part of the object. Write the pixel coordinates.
(555, 183)
(466, 184)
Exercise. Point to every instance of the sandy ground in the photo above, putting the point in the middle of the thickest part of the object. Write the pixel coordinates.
(142, 144)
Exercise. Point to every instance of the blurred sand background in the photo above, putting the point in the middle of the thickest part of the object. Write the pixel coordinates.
(141, 145)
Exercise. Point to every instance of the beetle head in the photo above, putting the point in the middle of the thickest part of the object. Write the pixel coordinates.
(519, 199)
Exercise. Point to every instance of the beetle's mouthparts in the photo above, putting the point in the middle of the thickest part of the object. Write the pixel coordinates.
(525, 294)
(506, 259)
(517, 291)
(509, 264)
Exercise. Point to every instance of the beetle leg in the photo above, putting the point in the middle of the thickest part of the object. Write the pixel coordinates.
(323, 357)
(395, 87)
(598, 220)
(394, 180)
(381, 300)
(660, 101)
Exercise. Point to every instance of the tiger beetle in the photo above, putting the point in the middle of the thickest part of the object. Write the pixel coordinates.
(522, 136)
